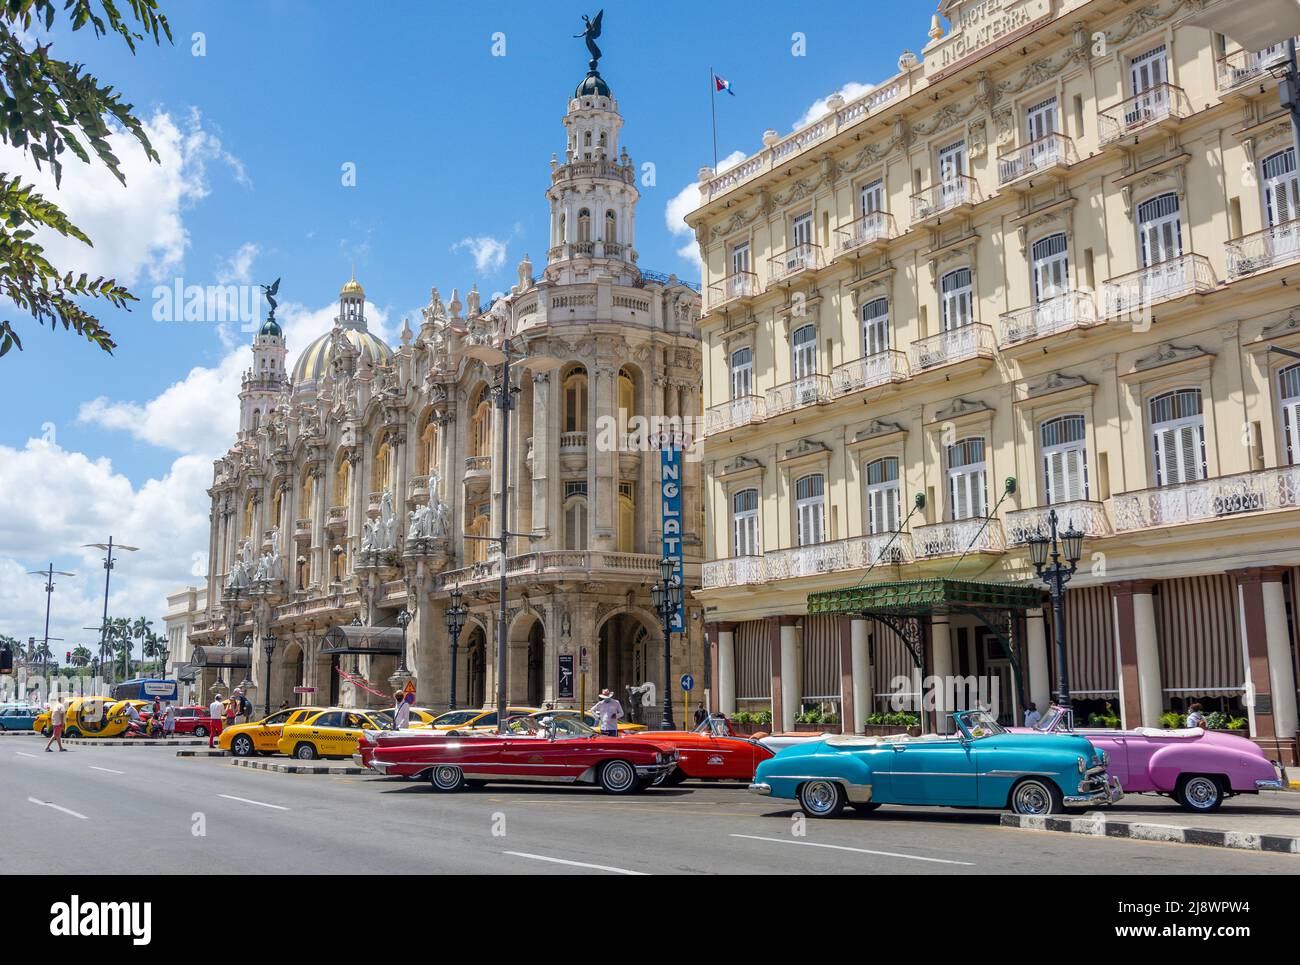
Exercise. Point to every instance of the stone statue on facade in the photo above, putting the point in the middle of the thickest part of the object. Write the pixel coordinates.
(241, 571)
(380, 533)
(433, 519)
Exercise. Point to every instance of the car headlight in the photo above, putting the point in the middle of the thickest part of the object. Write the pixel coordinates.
(1104, 759)
(1083, 765)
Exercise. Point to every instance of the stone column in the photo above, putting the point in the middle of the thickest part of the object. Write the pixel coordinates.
(791, 672)
(773, 630)
(1148, 654)
(1138, 656)
(1040, 677)
(1271, 693)
(602, 466)
(941, 669)
(724, 678)
(542, 474)
(848, 705)
(863, 695)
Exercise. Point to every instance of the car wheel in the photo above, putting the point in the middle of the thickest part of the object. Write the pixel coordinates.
(447, 778)
(305, 752)
(200, 731)
(72, 733)
(617, 777)
(1199, 792)
(1036, 796)
(822, 799)
(242, 746)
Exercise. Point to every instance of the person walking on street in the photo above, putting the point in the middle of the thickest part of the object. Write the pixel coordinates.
(402, 711)
(169, 722)
(243, 708)
(229, 713)
(608, 712)
(217, 711)
(58, 717)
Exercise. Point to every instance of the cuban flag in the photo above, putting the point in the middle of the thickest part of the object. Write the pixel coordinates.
(723, 84)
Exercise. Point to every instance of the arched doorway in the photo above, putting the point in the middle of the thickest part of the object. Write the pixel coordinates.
(475, 669)
(627, 658)
(536, 664)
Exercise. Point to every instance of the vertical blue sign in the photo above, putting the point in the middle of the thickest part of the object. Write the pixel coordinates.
(670, 493)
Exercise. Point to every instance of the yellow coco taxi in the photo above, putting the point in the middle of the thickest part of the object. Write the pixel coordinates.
(90, 717)
(333, 732)
(262, 736)
(476, 719)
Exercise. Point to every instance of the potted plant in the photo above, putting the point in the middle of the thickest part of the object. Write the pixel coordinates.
(895, 722)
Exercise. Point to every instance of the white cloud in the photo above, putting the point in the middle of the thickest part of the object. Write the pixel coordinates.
(819, 108)
(489, 253)
(687, 200)
(238, 268)
(138, 230)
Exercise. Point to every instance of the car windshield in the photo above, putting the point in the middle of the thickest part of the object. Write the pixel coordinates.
(978, 723)
(1056, 719)
(713, 727)
(453, 717)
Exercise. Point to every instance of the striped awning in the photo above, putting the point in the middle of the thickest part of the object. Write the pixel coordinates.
(753, 661)
(821, 657)
(1199, 631)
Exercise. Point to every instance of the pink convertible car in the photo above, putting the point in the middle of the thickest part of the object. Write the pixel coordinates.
(1198, 768)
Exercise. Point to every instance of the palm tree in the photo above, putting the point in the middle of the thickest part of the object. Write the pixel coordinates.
(119, 636)
(81, 656)
(153, 647)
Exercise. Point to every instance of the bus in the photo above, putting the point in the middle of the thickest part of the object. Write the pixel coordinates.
(147, 688)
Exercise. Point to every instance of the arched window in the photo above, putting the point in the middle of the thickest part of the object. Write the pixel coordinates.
(956, 296)
(1281, 188)
(627, 516)
(803, 343)
(611, 227)
(1160, 230)
(742, 373)
(575, 515)
(875, 327)
(481, 424)
(476, 550)
(1051, 261)
(1065, 459)
(882, 496)
(342, 481)
(308, 493)
(967, 474)
(379, 474)
(744, 523)
(810, 509)
(427, 460)
(1177, 437)
(257, 419)
(1289, 391)
(575, 400)
(626, 400)
(584, 225)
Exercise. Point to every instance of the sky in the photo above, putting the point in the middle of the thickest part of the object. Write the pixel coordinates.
(410, 138)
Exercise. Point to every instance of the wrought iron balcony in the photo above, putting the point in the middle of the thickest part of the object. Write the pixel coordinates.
(1044, 154)
(959, 536)
(1087, 517)
(1243, 67)
(1134, 293)
(871, 370)
(733, 571)
(794, 261)
(855, 553)
(1060, 314)
(1263, 491)
(956, 345)
(1270, 248)
(1161, 104)
(946, 196)
(872, 229)
(809, 390)
(734, 289)
(734, 413)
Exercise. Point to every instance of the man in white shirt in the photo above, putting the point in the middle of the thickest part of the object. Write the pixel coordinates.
(608, 712)
(217, 711)
(1032, 716)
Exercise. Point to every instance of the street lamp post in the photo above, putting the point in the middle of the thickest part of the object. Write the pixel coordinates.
(108, 572)
(268, 648)
(455, 622)
(1064, 560)
(666, 596)
(49, 573)
(404, 617)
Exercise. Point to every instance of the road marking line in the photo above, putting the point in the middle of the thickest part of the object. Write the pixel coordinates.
(47, 804)
(24, 754)
(841, 847)
(108, 770)
(261, 804)
(576, 864)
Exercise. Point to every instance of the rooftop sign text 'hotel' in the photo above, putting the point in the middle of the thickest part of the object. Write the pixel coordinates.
(978, 27)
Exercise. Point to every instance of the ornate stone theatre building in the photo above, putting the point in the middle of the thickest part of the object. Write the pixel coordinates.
(363, 471)
(1059, 245)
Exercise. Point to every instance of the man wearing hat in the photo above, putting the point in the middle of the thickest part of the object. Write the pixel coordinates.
(608, 712)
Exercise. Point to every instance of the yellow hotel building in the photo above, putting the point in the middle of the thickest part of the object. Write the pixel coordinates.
(1056, 246)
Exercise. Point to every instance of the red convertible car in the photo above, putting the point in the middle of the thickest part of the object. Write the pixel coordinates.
(189, 720)
(549, 751)
(710, 752)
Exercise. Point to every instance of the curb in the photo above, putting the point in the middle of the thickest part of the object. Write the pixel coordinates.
(17, 733)
(1099, 825)
(299, 768)
(202, 753)
(133, 742)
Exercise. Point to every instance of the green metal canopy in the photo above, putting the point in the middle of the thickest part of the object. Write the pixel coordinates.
(925, 597)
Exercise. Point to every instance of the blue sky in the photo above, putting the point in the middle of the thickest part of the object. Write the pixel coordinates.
(449, 142)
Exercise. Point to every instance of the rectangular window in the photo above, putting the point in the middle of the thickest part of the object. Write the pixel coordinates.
(1160, 230)
(801, 233)
(1178, 437)
(1281, 187)
(810, 509)
(1065, 459)
(882, 496)
(1289, 390)
(956, 295)
(742, 373)
(875, 327)
(872, 197)
(744, 523)
(966, 479)
(1051, 261)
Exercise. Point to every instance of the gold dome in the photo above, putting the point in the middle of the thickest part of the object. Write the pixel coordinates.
(315, 359)
(352, 287)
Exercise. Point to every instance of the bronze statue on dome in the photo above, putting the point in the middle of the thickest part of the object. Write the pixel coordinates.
(590, 31)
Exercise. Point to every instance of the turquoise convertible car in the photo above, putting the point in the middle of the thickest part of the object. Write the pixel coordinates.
(981, 765)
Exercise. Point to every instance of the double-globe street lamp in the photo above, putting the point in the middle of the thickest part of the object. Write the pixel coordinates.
(666, 596)
(1063, 554)
(268, 648)
(455, 617)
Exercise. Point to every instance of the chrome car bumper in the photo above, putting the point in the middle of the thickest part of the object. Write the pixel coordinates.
(655, 770)
(1273, 785)
(1096, 790)
(759, 788)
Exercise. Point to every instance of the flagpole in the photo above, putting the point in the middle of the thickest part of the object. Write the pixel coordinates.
(713, 108)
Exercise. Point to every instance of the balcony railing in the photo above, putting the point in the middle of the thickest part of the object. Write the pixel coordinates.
(855, 553)
(302, 527)
(1244, 66)
(734, 413)
(734, 571)
(956, 345)
(337, 514)
(872, 228)
(872, 370)
(945, 196)
(1060, 314)
(733, 288)
(1226, 496)
(1163, 102)
(1131, 294)
(809, 390)
(1087, 517)
(1278, 245)
(573, 440)
(555, 561)
(794, 260)
(1054, 150)
(478, 463)
(959, 536)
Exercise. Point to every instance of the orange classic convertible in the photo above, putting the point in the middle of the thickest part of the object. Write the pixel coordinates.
(710, 752)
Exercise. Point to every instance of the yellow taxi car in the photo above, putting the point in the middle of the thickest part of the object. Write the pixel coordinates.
(476, 719)
(90, 717)
(420, 717)
(262, 736)
(590, 720)
(332, 732)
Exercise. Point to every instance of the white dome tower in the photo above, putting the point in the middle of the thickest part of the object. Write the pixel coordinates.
(261, 385)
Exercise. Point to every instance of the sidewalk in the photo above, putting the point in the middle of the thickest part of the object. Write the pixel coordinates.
(1269, 821)
(134, 742)
(303, 767)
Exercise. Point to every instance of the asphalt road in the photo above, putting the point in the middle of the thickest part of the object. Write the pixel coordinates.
(91, 808)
